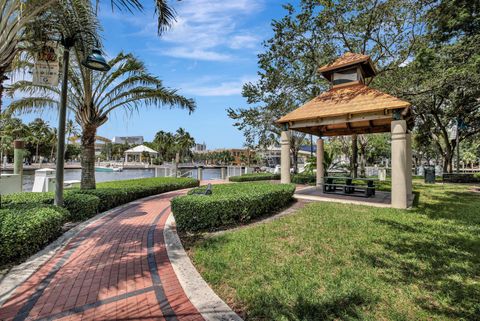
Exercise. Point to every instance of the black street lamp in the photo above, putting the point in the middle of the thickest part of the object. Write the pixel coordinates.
(94, 61)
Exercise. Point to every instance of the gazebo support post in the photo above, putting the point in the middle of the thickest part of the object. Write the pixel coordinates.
(285, 157)
(409, 165)
(399, 164)
(320, 156)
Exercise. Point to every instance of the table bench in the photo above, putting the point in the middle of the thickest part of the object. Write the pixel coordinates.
(345, 185)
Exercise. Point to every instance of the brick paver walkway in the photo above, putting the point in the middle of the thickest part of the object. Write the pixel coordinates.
(117, 268)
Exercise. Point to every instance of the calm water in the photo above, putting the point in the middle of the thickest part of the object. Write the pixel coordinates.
(74, 174)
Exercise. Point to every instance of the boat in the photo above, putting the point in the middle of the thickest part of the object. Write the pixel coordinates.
(107, 169)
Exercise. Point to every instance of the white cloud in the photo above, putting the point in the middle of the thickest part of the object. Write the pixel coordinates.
(208, 30)
(192, 53)
(212, 86)
(244, 41)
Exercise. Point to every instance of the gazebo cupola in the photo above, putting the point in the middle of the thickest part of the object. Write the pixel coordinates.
(351, 107)
(350, 69)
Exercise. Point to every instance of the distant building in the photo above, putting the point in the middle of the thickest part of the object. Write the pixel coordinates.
(199, 148)
(100, 143)
(130, 140)
(271, 154)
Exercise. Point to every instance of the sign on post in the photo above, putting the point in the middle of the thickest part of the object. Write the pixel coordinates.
(47, 68)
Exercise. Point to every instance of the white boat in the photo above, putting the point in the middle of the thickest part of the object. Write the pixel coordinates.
(108, 169)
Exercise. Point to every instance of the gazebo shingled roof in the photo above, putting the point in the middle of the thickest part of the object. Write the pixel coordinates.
(345, 109)
(347, 60)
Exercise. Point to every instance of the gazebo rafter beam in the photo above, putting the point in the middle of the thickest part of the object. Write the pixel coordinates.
(348, 118)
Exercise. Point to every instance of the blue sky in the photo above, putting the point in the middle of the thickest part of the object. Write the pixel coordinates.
(208, 54)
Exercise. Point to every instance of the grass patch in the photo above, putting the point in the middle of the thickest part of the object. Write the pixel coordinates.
(344, 262)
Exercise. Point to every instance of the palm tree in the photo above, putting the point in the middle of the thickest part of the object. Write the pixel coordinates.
(166, 14)
(92, 97)
(10, 129)
(52, 138)
(184, 142)
(38, 130)
(15, 15)
(165, 145)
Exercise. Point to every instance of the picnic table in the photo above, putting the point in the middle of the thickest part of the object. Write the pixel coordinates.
(346, 185)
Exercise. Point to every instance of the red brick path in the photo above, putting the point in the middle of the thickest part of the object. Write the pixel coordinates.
(117, 268)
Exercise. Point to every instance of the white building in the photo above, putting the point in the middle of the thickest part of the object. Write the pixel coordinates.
(199, 148)
(131, 140)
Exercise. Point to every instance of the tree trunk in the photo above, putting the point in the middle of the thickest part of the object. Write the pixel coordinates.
(2, 78)
(37, 158)
(354, 159)
(363, 161)
(88, 158)
(295, 160)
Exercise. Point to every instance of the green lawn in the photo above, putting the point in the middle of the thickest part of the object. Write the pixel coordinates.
(346, 262)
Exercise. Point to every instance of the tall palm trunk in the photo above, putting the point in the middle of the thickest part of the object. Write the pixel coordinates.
(88, 157)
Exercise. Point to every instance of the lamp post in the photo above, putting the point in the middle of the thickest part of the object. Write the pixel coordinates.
(94, 61)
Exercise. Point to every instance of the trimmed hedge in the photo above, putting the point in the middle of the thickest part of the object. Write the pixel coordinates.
(229, 204)
(254, 177)
(304, 178)
(25, 229)
(113, 194)
(81, 206)
(461, 178)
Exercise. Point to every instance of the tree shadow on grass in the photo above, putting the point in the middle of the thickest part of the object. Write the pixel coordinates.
(344, 306)
(443, 260)
(461, 206)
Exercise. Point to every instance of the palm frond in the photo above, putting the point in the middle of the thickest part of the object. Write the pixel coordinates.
(32, 104)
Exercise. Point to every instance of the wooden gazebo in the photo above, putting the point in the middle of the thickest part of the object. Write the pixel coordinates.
(351, 107)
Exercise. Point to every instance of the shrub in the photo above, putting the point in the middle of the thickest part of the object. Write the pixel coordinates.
(24, 229)
(113, 194)
(109, 198)
(461, 178)
(229, 204)
(28, 198)
(304, 178)
(81, 206)
(254, 177)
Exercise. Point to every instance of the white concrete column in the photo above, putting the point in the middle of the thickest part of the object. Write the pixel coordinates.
(320, 169)
(409, 164)
(399, 168)
(285, 157)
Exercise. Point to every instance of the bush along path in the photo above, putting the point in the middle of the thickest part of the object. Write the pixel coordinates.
(29, 221)
(117, 267)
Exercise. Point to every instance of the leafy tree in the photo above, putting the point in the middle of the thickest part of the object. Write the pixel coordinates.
(92, 97)
(313, 36)
(442, 80)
